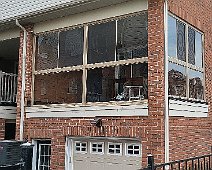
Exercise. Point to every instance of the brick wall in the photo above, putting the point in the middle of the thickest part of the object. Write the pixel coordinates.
(150, 130)
(28, 71)
(190, 136)
(2, 129)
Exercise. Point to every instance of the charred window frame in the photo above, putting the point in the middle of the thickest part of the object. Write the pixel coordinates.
(124, 43)
(186, 60)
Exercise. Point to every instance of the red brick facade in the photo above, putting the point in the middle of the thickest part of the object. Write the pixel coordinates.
(188, 136)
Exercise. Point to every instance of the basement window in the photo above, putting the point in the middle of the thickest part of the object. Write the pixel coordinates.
(186, 67)
(43, 155)
(96, 62)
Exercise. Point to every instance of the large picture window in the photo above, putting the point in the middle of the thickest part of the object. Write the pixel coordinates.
(96, 62)
(185, 50)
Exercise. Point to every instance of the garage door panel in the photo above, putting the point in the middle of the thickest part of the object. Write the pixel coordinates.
(125, 158)
(94, 165)
(113, 166)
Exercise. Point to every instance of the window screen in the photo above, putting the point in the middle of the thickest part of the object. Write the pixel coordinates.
(195, 84)
(47, 51)
(191, 46)
(71, 47)
(101, 42)
(172, 37)
(177, 80)
(132, 37)
(181, 48)
(198, 48)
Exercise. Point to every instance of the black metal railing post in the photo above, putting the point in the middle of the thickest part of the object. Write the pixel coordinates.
(150, 159)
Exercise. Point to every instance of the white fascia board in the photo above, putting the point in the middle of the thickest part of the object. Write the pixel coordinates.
(136, 110)
(93, 15)
(7, 116)
(7, 112)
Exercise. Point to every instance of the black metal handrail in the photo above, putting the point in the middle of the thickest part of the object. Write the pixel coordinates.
(196, 163)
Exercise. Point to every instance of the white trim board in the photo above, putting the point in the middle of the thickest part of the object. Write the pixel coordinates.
(7, 112)
(9, 34)
(93, 15)
(187, 109)
(92, 111)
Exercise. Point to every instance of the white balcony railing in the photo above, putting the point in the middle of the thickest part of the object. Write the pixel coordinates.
(8, 87)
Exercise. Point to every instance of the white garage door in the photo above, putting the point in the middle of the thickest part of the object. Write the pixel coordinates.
(104, 154)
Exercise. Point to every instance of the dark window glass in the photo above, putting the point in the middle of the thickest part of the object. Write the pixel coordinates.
(191, 46)
(71, 47)
(198, 49)
(111, 151)
(177, 80)
(181, 48)
(196, 89)
(136, 147)
(47, 51)
(58, 89)
(132, 37)
(172, 37)
(136, 152)
(84, 144)
(101, 42)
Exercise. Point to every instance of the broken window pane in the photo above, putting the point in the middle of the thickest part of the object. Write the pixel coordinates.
(132, 37)
(191, 46)
(177, 80)
(198, 49)
(196, 89)
(101, 42)
(172, 37)
(117, 83)
(59, 88)
(181, 48)
(47, 51)
(71, 47)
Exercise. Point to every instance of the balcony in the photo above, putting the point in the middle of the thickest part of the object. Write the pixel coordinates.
(8, 88)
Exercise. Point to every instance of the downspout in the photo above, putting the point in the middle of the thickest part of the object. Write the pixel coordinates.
(166, 107)
(23, 77)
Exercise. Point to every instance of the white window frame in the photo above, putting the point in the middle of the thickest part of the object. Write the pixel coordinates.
(85, 67)
(97, 143)
(186, 64)
(80, 151)
(114, 143)
(133, 144)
